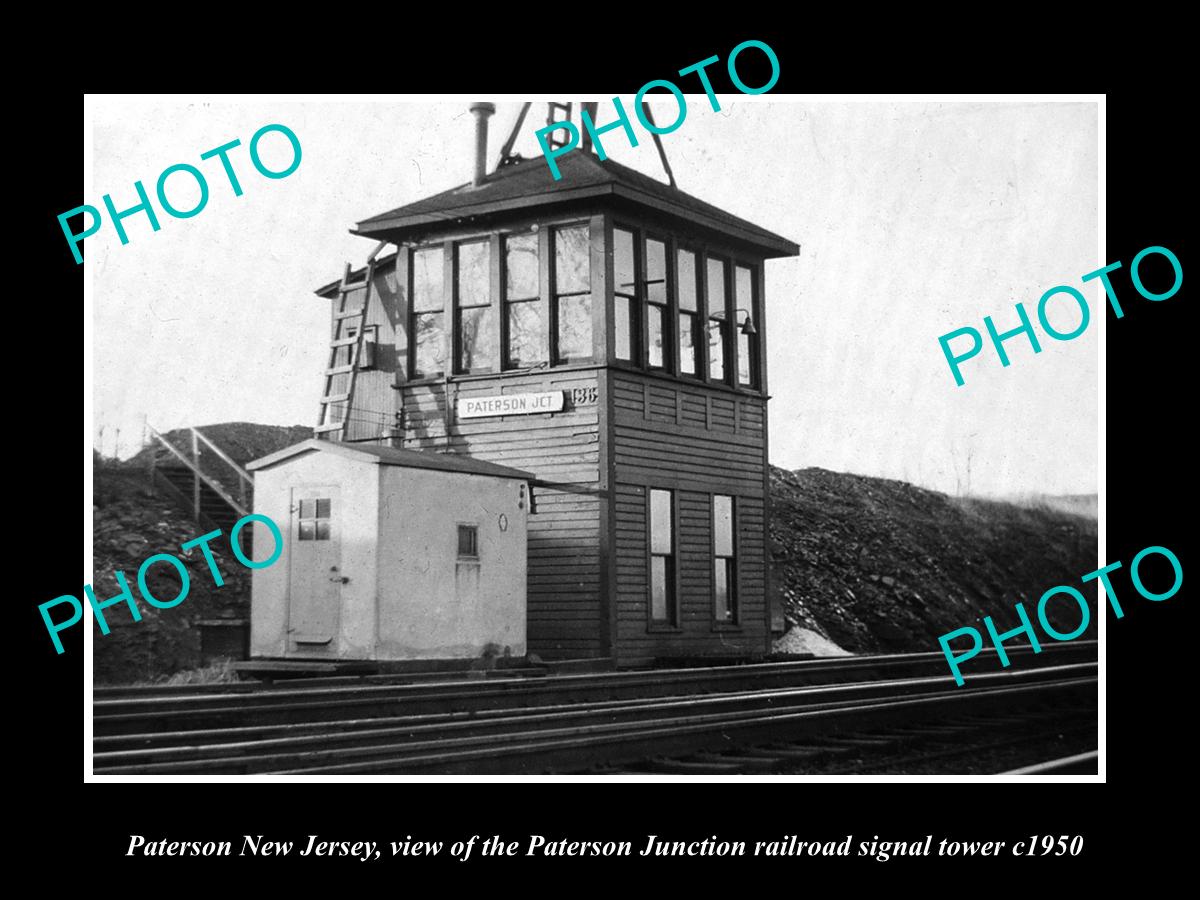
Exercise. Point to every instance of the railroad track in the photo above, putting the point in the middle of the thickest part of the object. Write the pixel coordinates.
(559, 724)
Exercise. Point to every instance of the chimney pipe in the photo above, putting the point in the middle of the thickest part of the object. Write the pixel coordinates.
(481, 111)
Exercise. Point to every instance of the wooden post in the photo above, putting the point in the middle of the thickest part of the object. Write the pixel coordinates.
(196, 476)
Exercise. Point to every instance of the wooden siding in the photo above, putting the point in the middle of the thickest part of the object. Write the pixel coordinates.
(566, 574)
(697, 442)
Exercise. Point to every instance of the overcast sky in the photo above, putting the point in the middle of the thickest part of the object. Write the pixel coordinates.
(914, 219)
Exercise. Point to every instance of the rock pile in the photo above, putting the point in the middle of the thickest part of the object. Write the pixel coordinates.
(883, 566)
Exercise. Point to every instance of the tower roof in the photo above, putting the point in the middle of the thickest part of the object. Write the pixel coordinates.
(527, 185)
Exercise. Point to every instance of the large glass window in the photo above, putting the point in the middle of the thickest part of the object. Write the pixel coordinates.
(524, 309)
(476, 331)
(573, 294)
(625, 295)
(724, 560)
(658, 346)
(689, 317)
(428, 314)
(747, 343)
(718, 320)
(662, 557)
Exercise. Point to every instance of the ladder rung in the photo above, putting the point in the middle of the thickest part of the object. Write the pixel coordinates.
(335, 398)
(335, 426)
(347, 288)
(344, 342)
(349, 313)
(340, 370)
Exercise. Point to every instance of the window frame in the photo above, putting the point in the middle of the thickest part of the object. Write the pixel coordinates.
(315, 519)
(471, 528)
(673, 621)
(727, 357)
(733, 569)
(556, 359)
(458, 308)
(668, 307)
(636, 327)
(413, 312)
(753, 344)
(699, 314)
(506, 303)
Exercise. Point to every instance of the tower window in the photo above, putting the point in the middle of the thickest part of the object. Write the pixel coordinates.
(428, 314)
(525, 315)
(572, 294)
(662, 558)
(476, 324)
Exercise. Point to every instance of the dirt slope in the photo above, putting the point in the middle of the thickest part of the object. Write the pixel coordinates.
(879, 565)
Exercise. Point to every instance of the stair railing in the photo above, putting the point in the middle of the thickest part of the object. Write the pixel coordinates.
(199, 476)
(244, 479)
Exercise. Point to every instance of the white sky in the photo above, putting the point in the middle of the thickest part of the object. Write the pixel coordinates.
(914, 219)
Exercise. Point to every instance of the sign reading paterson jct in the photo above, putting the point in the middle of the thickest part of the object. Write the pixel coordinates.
(509, 405)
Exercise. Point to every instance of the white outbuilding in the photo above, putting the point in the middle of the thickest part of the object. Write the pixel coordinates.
(390, 554)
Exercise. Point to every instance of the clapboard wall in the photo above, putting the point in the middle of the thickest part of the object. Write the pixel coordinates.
(695, 441)
(567, 534)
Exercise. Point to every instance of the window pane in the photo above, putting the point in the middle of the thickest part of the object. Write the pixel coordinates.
(431, 350)
(744, 279)
(521, 266)
(716, 350)
(427, 280)
(656, 271)
(623, 264)
(474, 279)
(624, 308)
(308, 509)
(685, 277)
(658, 587)
(322, 529)
(660, 521)
(721, 589)
(526, 334)
(468, 543)
(745, 358)
(476, 339)
(323, 509)
(744, 294)
(571, 269)
(575, 327)
(307, 531)
(687, 343)
(722, 525)
(654, 335)
(716, 286)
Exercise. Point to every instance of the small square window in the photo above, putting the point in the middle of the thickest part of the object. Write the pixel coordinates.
(468, 541)
(313, 520)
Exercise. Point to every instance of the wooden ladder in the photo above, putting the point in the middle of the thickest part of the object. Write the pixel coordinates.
(345, 318)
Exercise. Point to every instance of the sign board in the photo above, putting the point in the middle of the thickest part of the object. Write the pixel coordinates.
(509, 405)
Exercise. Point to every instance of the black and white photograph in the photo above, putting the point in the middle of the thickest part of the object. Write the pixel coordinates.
(735, 436)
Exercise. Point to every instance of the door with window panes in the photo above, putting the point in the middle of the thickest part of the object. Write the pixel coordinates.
(315, 578)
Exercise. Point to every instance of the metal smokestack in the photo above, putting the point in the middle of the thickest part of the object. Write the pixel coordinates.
(481, 111)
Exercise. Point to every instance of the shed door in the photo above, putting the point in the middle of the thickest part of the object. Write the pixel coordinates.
(316, 561)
